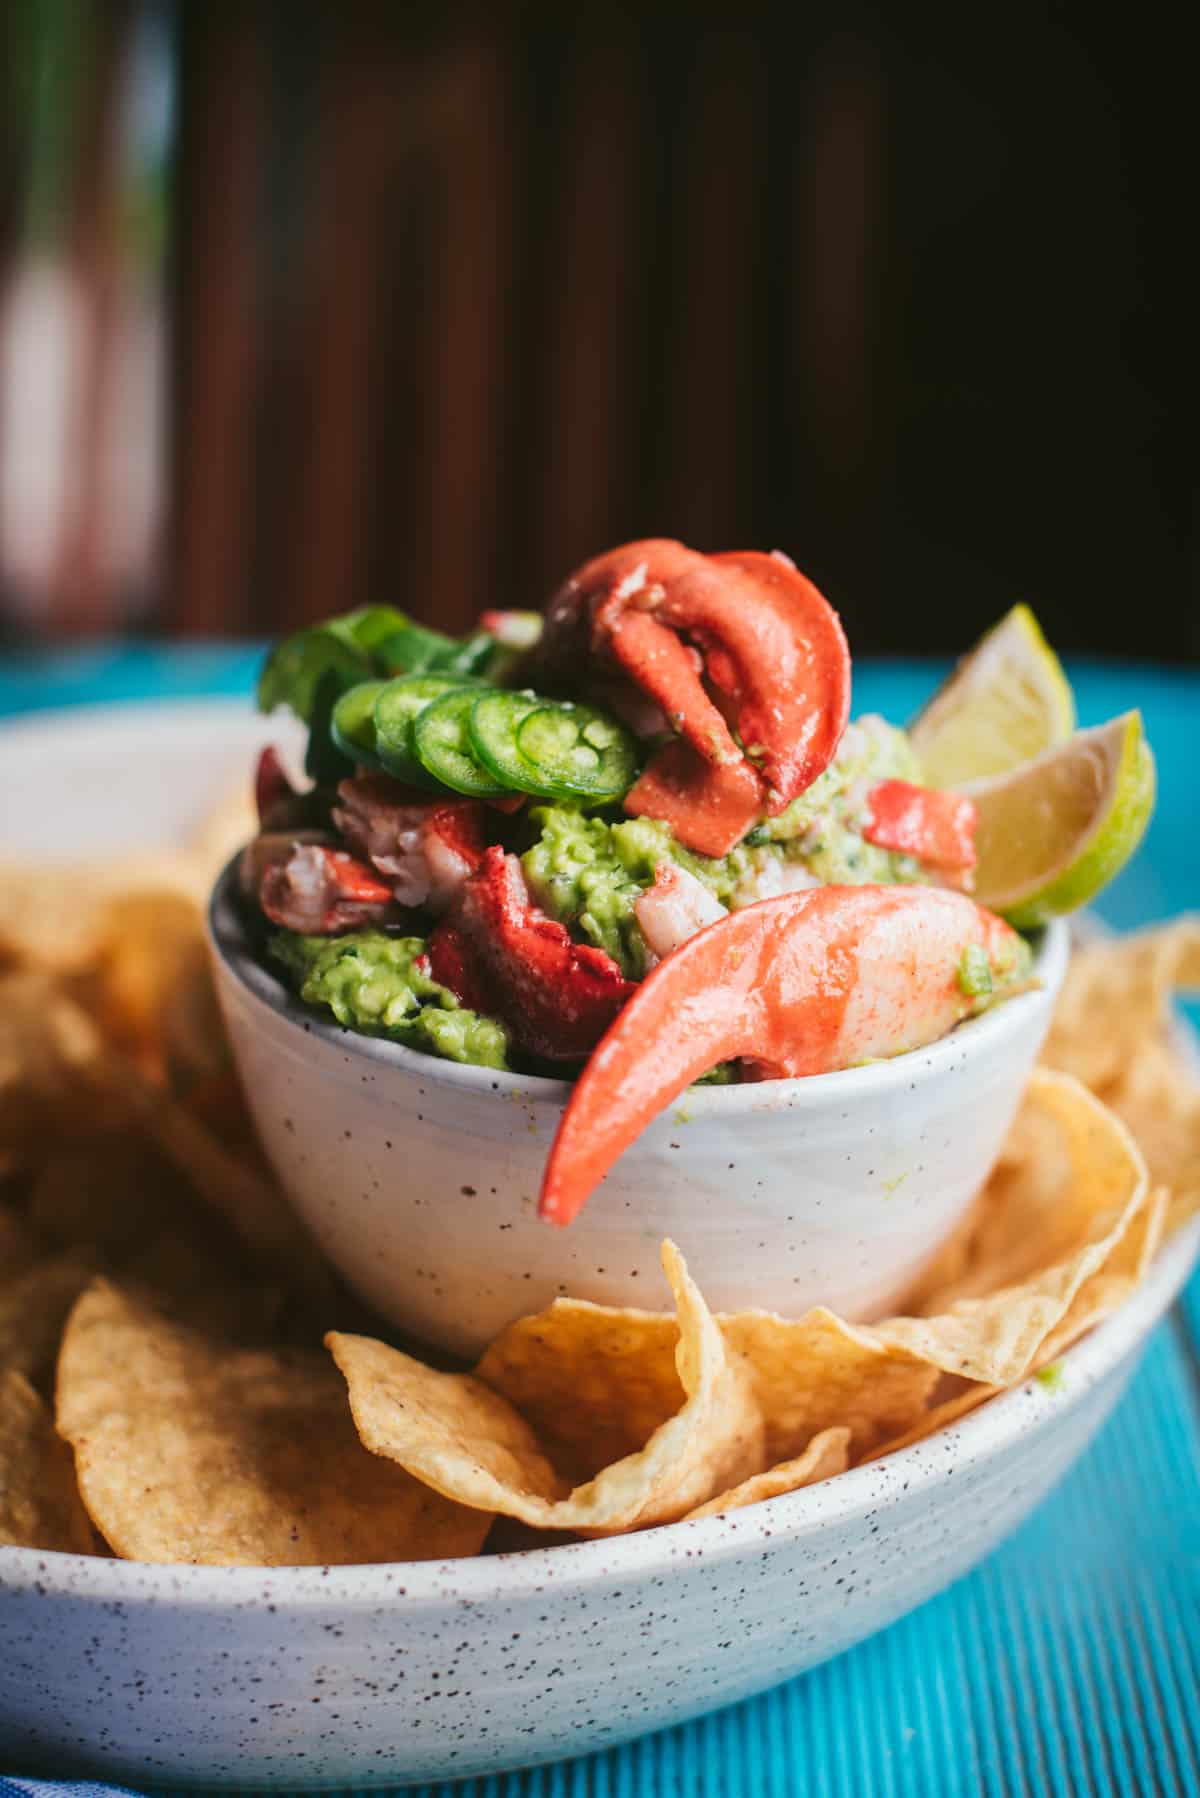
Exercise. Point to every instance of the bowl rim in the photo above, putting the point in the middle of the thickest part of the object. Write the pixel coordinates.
(230, 944)
(995, 1428)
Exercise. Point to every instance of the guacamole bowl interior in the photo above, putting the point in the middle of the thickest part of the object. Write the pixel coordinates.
(419, 1177)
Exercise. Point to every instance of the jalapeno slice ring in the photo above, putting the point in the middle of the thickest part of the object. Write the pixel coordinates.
(352, 722)
(495, 718)
(442, 743)
(577, 752)
(397, 708)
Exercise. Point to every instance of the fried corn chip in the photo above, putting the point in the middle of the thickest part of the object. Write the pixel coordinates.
(1067, 1165)
(33, 1310)
(40, 1506)
(104, 1196)
(18, 1246)
(194, 1043)
(814, 1372)
(231, 1184)
(1096, 1299)
(187, 1450)
(1079, 1217)
(1116, 996)
(825, 1456)
(150, 945)
(472, 1444)
(594, 1382)
(46, 1041)
(1113, 1028)
(116, 1204)
(53, 914)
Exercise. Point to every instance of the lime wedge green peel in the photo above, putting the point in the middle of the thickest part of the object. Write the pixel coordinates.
(1053, 832)
(1007, 701)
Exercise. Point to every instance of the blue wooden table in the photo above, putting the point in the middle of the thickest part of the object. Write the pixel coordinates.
(1069, 1663)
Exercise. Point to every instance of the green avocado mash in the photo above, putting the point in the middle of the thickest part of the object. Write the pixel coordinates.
(587, 872)
(372, 982)
(985, 979)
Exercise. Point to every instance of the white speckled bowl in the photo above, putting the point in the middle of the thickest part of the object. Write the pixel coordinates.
(419, 1177)
(363, 1676)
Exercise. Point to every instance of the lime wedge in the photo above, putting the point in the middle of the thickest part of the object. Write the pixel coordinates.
(1006, 702)
(1054, 831)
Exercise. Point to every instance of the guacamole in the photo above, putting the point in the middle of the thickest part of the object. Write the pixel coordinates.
(587, 872)
(375, 983)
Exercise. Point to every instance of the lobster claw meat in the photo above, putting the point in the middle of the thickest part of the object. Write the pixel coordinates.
(801, 984)
(425, 848)
(709, 805)
(935, 826)
(319, 891)
(499, 954)
(773, 667)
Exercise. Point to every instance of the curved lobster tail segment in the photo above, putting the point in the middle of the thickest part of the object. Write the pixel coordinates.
(806, 983)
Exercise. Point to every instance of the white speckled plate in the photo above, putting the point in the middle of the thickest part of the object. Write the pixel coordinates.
(379, 1675)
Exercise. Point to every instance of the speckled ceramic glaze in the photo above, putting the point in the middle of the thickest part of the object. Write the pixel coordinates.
(380, 1675)
(420, 1177)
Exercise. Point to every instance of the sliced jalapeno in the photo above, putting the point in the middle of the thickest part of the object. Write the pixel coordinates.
(352, 724)
(442, 742)
(396, 710)
(494, 721)
(576, 752)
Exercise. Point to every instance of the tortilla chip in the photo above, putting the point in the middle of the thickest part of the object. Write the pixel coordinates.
(593, 1381)
(184, 1277)
(1096, 1299)
(1116, 995)
(18, 1246)
(40, 1505)
(194, 1044)
(46, 1041)
(825, 1456)
(231, 1184)
(33, 1310)
(53, 914)
(150, 945)
(1114, 1029)
(1078, 1212)
(815, 1372)
(469, 1442)
(1158, 1096)
(187, 1450)
(106, 1196)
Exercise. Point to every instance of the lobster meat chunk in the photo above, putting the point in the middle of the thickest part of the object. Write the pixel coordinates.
(740, 642)
(426, 849)
(935, 826)
(674, 909)
(318, 891)
(803, 984)
(503, 956)
(710, 806)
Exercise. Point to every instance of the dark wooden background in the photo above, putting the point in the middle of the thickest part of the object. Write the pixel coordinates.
(456, 296)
